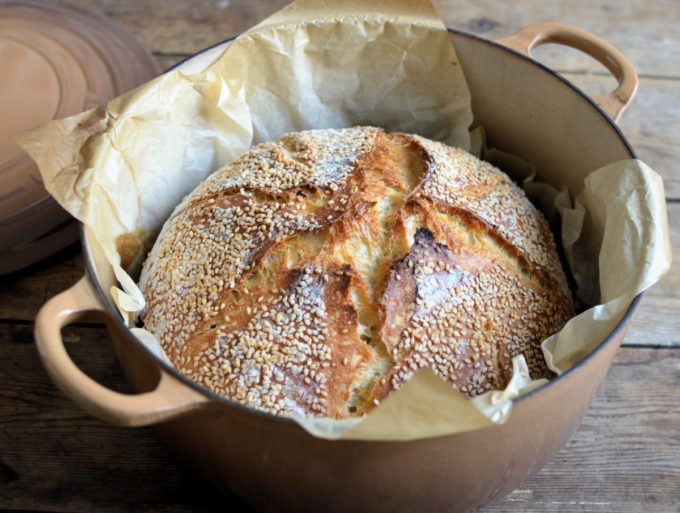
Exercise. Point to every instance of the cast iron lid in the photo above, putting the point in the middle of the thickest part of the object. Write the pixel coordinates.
(56, 60)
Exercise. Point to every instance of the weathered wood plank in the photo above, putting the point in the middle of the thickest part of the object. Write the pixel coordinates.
(53, 457)
(647, 32)
(186, 26)
(23, 293)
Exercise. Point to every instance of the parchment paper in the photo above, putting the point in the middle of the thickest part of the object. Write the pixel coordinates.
(317, 64)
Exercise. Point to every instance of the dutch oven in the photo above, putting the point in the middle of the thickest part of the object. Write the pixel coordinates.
(275, 465)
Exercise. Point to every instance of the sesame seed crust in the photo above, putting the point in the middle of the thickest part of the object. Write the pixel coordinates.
(466, 183)
(314, 275)
(465, 315)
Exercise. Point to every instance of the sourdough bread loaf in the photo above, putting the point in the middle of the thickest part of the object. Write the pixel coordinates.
(316, 274)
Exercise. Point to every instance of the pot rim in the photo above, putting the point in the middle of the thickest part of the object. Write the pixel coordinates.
(610, 339)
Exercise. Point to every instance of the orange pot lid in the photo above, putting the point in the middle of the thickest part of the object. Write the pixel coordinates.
(55, 60)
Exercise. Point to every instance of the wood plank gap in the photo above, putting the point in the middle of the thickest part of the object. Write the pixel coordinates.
(648, 346)
(16, 322)
(14, 510)
(26, 322)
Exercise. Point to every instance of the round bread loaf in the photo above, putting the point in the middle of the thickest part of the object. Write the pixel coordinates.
(316, 274)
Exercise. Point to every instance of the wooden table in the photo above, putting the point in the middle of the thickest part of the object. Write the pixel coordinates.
(624, 458)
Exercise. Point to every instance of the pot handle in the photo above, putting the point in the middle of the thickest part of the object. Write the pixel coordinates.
(614, 103)
(169, 400)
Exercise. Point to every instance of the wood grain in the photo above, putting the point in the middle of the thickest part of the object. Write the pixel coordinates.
(53, 457)
(24, 292)
(184, 27)
(647, 32)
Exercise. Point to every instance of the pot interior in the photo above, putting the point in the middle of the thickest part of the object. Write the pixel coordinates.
(528, 110)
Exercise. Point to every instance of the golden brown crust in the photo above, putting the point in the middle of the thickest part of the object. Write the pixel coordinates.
(315, 274)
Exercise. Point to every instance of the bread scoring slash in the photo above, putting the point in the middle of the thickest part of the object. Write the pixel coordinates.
(316, 274)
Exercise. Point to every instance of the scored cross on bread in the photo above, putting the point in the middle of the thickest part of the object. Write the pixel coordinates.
(315, 274)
